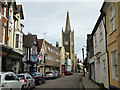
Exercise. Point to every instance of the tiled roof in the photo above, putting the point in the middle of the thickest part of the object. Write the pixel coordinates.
(40, 42)
(28, 40)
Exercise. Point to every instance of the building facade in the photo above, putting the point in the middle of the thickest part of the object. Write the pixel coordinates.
(10, 56)
(30, 50)
(68, 41)
(100, 53)
(91, 62)
(50, 56)
(112, 13)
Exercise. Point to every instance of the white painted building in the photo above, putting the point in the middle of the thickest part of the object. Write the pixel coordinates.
(100, 54)
(15, 38)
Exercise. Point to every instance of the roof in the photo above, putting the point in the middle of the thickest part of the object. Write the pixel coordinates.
(5, 72)
(40, 42)
(97, 24)
(28, 40)
(67, 23)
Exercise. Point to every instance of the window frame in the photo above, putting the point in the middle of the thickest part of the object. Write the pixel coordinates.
(3, 34)
(112, 25)
(5, 10)
(115, 71)
(100, 32)
(17, 41)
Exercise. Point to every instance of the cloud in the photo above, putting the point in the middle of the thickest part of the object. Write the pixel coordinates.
(50, 17)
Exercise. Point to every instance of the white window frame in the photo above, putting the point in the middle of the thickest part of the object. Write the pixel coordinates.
(101, 32)
(112, 19)
(17, 41)
(4, 14)
(10, 15)
(104, 67)
(3, 34)
(114, 65)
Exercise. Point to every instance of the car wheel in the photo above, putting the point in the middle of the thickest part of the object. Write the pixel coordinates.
(39, 82)
(44, 81)
(22, 88)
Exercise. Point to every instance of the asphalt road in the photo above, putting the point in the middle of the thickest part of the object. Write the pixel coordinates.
(71, 81)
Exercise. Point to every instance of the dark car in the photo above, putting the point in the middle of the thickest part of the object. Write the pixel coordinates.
(39, 78)
(68, 73)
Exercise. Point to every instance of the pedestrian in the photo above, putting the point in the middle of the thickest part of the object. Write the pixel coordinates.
(20, 71)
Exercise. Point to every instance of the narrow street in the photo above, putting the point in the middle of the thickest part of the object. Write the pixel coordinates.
(71, 81)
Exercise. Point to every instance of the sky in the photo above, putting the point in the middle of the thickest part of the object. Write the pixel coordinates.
(50, 17)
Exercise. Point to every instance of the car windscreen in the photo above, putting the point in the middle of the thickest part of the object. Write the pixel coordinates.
(21, 77)
(48, 72)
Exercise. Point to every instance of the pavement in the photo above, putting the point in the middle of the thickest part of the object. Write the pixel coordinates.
(86, 83)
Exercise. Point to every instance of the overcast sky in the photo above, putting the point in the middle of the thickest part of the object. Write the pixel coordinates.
(50, 17)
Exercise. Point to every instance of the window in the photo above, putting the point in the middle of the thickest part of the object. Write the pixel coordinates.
(100, 31)
(17, 41)
(20, 42)
(3, 35)
(95, 40)
(4, 11)
(17, 25)
(114, 65)
(98, 60)
(10, 15)
(9, 77)
(104, 68)
(112, 18)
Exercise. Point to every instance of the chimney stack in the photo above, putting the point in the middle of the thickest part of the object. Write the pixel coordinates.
(57, 44)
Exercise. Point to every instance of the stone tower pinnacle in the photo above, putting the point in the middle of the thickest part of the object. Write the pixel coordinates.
(67, 29)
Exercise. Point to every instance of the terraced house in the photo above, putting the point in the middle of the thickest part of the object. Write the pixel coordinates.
(11, 36)
(50, 57)
(100, 52)
(112, 11)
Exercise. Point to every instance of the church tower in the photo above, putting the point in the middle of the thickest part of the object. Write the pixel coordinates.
(68, 40)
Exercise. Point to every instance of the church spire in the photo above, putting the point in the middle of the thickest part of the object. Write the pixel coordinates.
(67, 29)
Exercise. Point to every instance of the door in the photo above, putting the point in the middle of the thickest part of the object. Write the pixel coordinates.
(98, 70)
(32, 81)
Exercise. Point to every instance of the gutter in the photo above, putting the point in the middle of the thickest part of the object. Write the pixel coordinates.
(107, 50)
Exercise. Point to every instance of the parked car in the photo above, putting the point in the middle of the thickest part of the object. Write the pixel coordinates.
(27, 81)
(57, 74)
(67, 73)
(10, 81)
(50, 74)
(39, 78)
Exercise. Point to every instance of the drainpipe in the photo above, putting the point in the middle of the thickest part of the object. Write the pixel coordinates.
(107, 49)
(8, 22)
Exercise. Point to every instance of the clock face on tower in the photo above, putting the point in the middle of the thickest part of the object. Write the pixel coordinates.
(66, 43)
